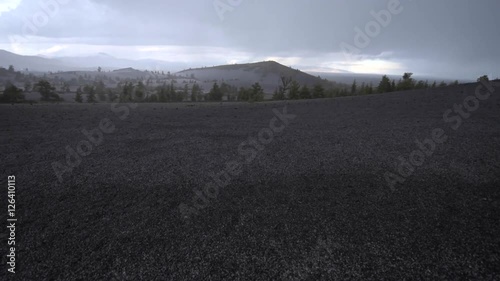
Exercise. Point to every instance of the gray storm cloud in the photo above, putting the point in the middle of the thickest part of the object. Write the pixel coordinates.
(447, 38)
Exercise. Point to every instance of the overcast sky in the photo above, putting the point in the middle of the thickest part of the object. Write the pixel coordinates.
(449, 38)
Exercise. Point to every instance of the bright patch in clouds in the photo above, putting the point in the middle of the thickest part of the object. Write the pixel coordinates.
(8, 5)
(53, 50)
(374, 67)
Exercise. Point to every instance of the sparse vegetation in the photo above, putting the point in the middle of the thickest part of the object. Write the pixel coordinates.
(156, 86)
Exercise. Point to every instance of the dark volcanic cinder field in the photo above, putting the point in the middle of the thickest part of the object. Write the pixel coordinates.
(313, 205)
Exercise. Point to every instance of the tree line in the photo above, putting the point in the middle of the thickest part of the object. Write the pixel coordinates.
(288, 89)
(407, 83)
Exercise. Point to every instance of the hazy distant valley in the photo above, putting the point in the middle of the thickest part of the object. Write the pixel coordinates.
(70, 75)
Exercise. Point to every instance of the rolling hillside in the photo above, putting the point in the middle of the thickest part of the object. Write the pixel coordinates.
(266, 73)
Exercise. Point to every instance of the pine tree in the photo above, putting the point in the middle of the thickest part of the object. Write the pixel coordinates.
(294, 92)
(305, 93)
(318, 91)
(257, 93)
(215, 93)
(195, 92)
(78, 97)
(385, 85)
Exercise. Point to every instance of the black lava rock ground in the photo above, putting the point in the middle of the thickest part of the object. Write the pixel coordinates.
(313, 205)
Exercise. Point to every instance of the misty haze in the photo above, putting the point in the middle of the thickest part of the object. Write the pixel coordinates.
(250, 140)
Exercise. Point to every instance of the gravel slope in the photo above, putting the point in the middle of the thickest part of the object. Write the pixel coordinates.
(313, 205)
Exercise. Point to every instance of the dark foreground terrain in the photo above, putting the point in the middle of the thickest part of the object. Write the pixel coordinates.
(313, 205)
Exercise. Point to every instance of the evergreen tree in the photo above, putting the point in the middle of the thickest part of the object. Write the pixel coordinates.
(294, 92)
(318, 91)
(243, 94)
(215, 93)
(78, 97)
(305, 93)
(482, 78)
(257, 93)
(420, 85)
(47, 91)
(407, 83)
(100, 90)
(195, 92)
(354, 88)
(127, 92)
(370, 88)
(385, 85)
(12, 94)
(185, 92)
(90, 92)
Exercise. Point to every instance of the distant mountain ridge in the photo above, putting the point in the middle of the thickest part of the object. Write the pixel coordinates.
(106, 61)
(29, 62)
